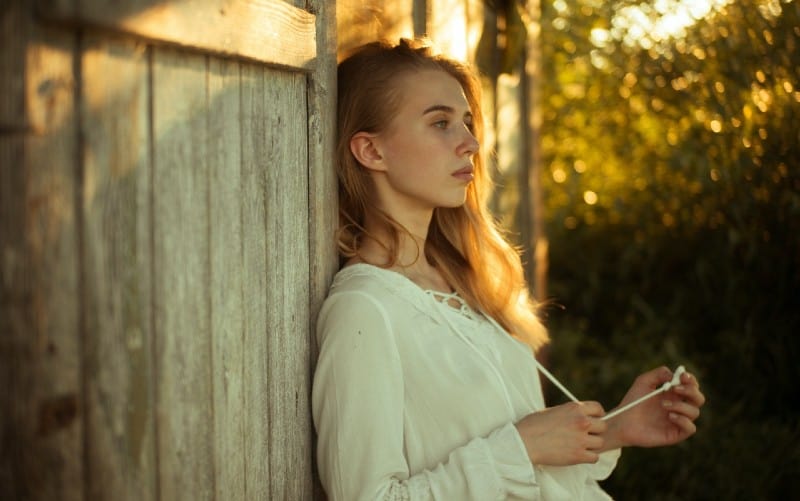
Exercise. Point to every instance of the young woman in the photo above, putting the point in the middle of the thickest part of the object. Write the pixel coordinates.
(426, 385)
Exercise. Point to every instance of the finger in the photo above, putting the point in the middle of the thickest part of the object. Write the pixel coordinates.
(689, 379)
(655, 377)
(594, 443)
(691, 393)
(598, 426)
(685, 424)
(690, 411)
(591, 408)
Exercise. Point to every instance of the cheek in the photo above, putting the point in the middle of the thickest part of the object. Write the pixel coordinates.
(410, 151)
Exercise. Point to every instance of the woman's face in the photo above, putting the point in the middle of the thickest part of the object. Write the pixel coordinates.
(426, 150)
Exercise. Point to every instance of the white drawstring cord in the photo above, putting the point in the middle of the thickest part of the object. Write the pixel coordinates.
(555, 381)
(469, 343)
(541, 368)
(676, 380)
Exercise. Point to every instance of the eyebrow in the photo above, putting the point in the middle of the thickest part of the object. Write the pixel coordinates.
(445, 108)
(439, 107)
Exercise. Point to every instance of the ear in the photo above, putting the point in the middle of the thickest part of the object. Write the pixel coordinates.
(364, 147)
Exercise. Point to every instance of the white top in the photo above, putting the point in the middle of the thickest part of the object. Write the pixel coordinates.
(415, 399)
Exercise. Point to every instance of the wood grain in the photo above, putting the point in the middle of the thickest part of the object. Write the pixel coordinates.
(228, 276)
(256, 138)
(287, 290)
(40, 346)
(322, 186)
(269, 31)
(117, 270)
(181, 276)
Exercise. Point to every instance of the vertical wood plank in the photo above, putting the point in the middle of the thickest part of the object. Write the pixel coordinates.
(322, 191)
(227, 277)
(14, 33)
(40, 363)
(117, 267)
(15, 348)
(256, 137)
(287, 287)
(322, 195)
(181, 258)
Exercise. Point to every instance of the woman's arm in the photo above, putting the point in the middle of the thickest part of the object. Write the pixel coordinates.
(358, 405)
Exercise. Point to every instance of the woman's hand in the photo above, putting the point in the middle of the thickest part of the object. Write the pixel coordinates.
(564, 435)
(664, 419)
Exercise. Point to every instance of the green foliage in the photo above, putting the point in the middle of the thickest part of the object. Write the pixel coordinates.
(672, 178)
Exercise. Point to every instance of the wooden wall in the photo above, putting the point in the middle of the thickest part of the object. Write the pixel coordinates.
(166, 217)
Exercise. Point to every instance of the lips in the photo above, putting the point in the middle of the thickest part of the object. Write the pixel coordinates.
(465, 174)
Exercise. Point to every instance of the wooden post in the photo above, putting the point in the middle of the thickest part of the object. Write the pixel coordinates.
(41, 373)
(532, 78)
(322, 195)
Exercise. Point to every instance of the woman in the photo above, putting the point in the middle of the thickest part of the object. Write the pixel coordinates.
(426, 385)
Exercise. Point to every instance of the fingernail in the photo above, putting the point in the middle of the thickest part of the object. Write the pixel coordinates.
(667, 403)
(673, 416)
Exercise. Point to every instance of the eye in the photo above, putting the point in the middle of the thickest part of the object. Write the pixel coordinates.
(468, 122)
(441, 124)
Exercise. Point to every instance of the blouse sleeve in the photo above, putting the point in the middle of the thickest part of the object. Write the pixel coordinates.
(358, 405)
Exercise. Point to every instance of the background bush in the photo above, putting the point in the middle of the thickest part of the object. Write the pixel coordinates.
(672, 183)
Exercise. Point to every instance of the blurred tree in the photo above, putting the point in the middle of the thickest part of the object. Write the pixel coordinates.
(672, 187)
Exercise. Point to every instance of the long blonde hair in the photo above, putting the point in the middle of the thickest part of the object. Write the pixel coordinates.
(463, 243)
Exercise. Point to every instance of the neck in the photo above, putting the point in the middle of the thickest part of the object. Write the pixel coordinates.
(410, 245)
(411, 260)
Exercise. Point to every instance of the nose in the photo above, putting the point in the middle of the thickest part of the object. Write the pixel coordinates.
(469, 144)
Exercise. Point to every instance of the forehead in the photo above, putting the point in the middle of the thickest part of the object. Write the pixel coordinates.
(420, 90)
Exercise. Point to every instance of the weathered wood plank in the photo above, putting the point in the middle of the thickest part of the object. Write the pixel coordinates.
(40, 364)
(322, 191)
(256, 137)
(270, 31)
(14, 27)
(117, 266)
(181, 274)
(288, 376)
(227, 277)
(322, 195)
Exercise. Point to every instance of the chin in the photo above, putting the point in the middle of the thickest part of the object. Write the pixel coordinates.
(453, 204)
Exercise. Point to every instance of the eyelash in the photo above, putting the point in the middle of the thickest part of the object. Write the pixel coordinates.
(444, 124)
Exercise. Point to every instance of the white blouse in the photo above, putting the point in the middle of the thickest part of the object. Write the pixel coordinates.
(415, 399)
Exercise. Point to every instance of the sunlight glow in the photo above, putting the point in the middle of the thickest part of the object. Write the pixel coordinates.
(453, 36)
(648, 24)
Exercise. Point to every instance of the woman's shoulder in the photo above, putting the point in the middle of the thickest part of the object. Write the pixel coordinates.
(366, 282)
(365, 278)
(362, 297)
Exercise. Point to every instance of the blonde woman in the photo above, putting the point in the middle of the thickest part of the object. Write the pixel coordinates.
(426, 385)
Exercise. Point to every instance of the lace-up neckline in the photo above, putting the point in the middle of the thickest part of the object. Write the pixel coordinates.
(453, 300)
